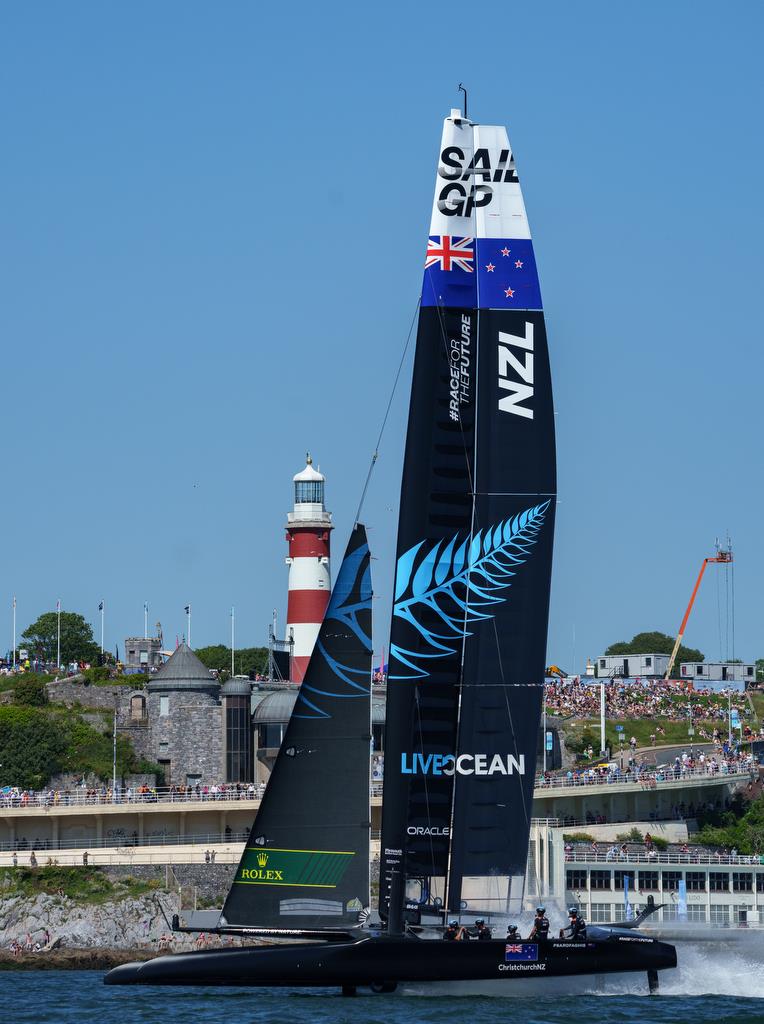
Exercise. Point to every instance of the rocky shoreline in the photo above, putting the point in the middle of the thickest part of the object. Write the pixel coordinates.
(71, 959)
(86, 934)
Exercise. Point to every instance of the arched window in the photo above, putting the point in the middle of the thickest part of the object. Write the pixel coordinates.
(137, 707)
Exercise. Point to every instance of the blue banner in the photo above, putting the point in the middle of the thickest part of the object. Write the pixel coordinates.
(682, 902)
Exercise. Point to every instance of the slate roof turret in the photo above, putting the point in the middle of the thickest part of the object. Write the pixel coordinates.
(184, 671)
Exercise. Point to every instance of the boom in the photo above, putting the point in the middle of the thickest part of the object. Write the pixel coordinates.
(721, 556)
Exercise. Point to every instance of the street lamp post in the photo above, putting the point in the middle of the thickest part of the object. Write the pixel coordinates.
(14, 632)
(58, 636)
(729, 718)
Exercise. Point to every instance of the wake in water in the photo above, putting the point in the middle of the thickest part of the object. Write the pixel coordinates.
(715, 968)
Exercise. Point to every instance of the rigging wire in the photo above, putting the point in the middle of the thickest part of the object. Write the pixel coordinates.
(375, 454)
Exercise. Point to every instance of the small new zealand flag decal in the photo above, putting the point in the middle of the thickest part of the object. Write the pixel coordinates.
(528, 951)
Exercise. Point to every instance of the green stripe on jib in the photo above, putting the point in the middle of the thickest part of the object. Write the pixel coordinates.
(311, 869)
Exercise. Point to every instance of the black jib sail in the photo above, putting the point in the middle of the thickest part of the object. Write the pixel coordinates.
(306, 864)
(474, 553)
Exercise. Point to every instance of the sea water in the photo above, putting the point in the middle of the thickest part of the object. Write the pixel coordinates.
(712, 986)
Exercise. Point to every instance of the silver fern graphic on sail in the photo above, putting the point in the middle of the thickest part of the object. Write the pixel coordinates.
(458, 580)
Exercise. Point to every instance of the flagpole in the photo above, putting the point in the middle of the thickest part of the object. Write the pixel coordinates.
(232, 639)
(188, 631)
(145, 620)
(58, 635)
(14, 632)
(100, 608)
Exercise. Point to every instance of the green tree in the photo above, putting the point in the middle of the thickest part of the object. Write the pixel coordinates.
(655, 643)
(30, 691)
(742, 827)
(247, 659)
(33, 747)
(36, 743)
(77, 642)
(760, 670)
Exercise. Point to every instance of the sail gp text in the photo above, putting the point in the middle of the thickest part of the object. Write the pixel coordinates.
(459, 200)
(459, 355)
(462, 764)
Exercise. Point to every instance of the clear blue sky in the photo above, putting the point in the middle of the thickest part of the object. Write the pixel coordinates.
(212, 228)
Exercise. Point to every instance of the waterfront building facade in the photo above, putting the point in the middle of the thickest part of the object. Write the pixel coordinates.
(723, 889)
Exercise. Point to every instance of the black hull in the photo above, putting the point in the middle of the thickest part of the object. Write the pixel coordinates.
(382, 961)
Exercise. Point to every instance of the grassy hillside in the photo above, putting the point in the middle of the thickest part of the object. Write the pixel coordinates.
(38, 742)
(579, 733)
(86, 885)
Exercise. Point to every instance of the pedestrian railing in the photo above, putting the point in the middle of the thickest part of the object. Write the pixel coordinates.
(127, 845)
(101, 798)
(660, 857)
(645, 779)
(17, 799)
(51, 800)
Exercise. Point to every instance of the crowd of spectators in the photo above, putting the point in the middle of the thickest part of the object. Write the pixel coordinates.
(15, 796)
(30, 944)
(647, 852)
(725, 760)
(639, 698)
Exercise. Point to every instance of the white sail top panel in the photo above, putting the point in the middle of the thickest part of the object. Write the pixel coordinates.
(504, 216)
(477, 194)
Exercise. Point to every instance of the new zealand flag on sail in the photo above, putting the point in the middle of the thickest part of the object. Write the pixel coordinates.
(492, 273)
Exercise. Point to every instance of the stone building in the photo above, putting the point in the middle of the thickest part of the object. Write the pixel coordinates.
(143, 653)
(185, 721)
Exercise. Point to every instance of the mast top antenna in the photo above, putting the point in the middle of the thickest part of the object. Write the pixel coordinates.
(463, 89)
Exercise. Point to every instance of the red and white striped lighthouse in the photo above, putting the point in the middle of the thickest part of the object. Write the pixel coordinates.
(308, 528)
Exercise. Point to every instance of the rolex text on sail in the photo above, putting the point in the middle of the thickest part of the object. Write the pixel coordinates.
(462, 764)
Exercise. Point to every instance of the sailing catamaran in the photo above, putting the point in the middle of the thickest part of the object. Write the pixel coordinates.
(466, 663)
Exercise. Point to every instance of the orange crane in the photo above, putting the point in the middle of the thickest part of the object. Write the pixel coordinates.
(722, 555)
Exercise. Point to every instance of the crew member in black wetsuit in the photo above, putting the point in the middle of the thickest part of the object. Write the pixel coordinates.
(453, 932)
(482, 932)
(577, 927)
(512, 935)
(540, 929)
